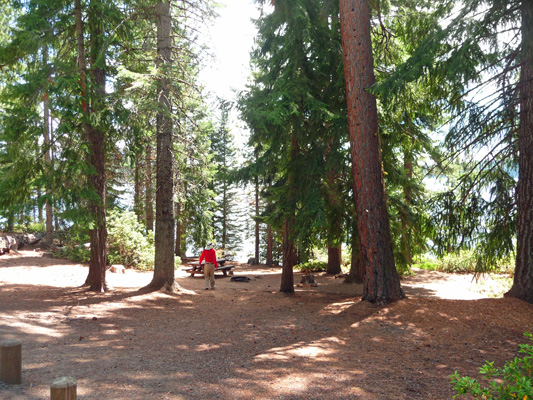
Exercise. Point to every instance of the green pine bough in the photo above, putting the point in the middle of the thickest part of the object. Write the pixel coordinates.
(512, 381)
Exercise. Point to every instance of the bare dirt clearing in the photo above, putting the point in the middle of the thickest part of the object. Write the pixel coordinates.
(245, 340)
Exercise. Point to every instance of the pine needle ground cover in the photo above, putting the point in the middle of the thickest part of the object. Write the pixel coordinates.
(245, 340)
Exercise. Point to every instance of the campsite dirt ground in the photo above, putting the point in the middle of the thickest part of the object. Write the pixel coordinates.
(245, 340)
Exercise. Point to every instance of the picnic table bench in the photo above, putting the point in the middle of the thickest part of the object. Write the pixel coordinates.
(197, 269)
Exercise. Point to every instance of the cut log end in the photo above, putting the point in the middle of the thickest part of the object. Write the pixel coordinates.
(63, 388)
(11, 361)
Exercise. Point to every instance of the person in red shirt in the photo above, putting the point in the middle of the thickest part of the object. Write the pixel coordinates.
(210, 256)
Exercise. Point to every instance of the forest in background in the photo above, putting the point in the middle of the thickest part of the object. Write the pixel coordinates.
(100, 95)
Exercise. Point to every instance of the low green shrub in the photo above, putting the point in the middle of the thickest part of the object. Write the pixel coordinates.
(313, 266)
(429, 265)
(128, 244)
(35, 228)
(77, 253)
(513, 381)
(464, 262)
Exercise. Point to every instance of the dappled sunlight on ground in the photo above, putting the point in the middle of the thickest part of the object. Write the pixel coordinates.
(245, 340)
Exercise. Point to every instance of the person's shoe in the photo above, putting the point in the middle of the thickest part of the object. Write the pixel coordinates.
(206, 288)
(212, 288)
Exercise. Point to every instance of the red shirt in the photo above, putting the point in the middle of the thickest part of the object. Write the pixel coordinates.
(210, 257)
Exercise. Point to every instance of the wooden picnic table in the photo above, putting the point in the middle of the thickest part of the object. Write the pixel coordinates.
(222, 267)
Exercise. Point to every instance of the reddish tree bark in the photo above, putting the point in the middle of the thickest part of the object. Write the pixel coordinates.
(164, 220)
(96, 140)
(523, 278)
(382, 282)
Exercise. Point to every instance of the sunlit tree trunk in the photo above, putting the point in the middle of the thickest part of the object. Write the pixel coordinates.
(382, 282)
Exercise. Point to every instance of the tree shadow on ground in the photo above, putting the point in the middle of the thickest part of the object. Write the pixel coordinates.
(248, 341)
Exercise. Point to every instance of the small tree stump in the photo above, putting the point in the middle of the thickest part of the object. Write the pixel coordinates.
(63, 388)
(11, 361)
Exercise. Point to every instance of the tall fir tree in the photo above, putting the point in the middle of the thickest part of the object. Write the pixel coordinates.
(226, 218)
(381, 281)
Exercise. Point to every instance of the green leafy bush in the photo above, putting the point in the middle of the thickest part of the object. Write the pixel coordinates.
(513, 381)
(313, 266)
(35, 228)
(74, 252)
(128, 244)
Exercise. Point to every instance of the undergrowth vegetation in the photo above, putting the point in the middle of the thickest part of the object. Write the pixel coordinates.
(313, 266)
(129, 245)
(512, 381)
(464, 262)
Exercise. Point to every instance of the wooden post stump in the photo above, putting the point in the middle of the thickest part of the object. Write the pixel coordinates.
(63, 388)
(11, 361)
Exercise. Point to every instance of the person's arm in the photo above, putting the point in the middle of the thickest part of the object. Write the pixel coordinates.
(215, 258)
(201, 258)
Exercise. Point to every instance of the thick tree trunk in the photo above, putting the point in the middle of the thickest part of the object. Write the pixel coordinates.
(96, 140)
(334, 260)
(289, 257)
(382, 282)
(164, 223)
(148, 208)
(523, 278)
(97, 148)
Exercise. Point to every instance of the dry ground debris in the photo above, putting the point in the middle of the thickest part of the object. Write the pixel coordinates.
(245, 340)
